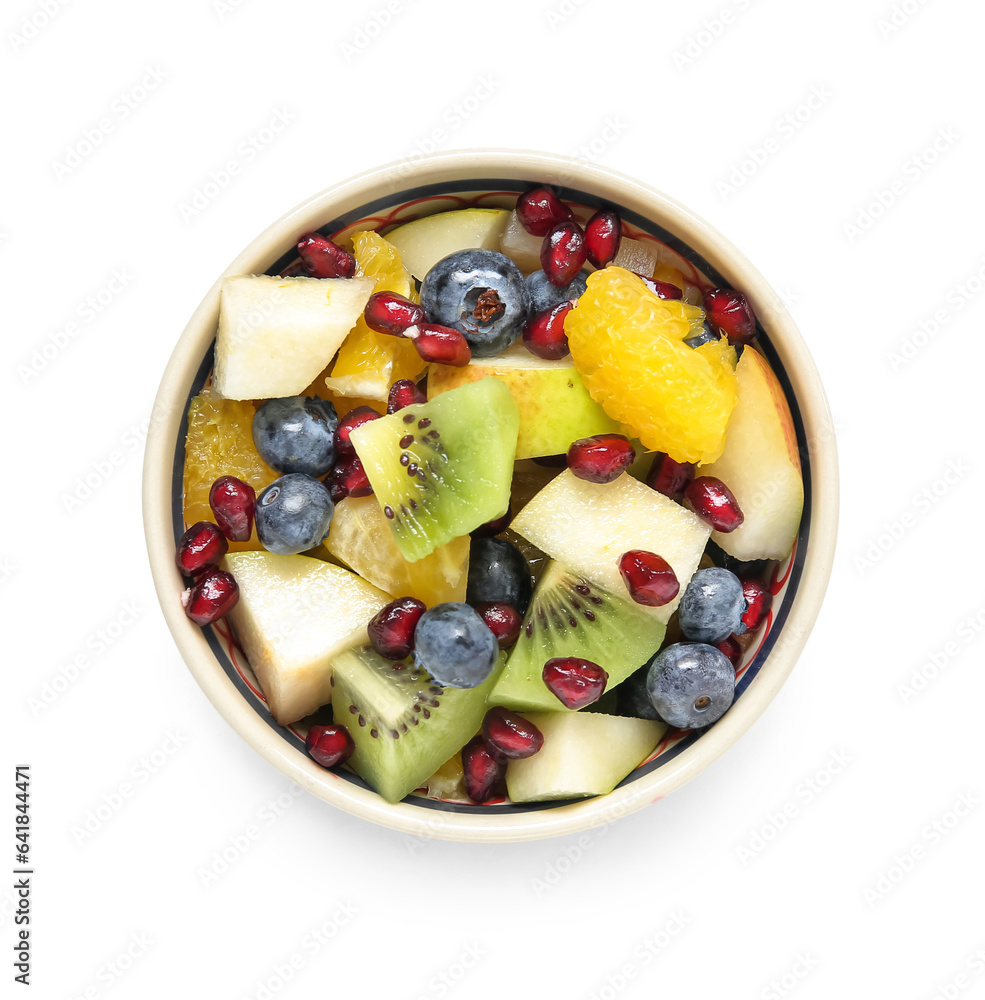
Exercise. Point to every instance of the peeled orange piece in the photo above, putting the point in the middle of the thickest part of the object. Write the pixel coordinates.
(220, 443)
(628, 345)
(368, 362)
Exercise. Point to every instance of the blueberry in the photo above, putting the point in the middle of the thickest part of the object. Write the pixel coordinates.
(498, 572)
(293, 514)
(544, 295)
(707, 336)
(712, 605)
(296, 434)
(690, 684)
(482, 294)
(455, 646)
(633, 697)
(754, 568)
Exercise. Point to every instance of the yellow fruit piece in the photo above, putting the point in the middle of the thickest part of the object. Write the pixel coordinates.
(342, 404)
(369, 363)
(692, 294)
(628, 345)
(448, 782)
(361, 539)
(664, 272)
(220, 443)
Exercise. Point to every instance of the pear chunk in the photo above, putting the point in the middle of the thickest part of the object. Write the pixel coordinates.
(584, 753)
(294, 615)
(423, 242)
(555, 407)
(588, 527)
(760, 465)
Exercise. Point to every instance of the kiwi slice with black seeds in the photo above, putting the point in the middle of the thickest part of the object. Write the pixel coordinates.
(404, 725)
(572, 616)
(443, 468)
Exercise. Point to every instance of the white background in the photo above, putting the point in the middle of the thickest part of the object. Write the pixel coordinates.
(679, 96)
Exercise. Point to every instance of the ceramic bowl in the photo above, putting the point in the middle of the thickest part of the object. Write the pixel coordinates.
(418, 187)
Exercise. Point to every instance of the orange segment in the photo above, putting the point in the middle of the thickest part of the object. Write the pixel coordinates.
(628, 345)
(220, 443)
(369, 363)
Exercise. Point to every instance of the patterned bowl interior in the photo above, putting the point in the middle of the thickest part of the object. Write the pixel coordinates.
(383, 215)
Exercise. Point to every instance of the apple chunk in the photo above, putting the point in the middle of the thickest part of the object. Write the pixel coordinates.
(555, 407)
(760, 465)
(423, 242)
(276, 334)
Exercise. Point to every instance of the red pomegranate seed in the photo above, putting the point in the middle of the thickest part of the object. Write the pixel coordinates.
(494, 527)
(391, 629)
(758, 603)
(664, 289)
(649, 578)
(442, 345)
(603, 231)
(353, 419)
(325, 259)
(543, 334)
(575, 683)
(714, 503)
(213, 596)
(563, 253)
(484, 770)
(669, 477)
(233, 503)
(295, 270)
(729, 312)
(200, 548)
(731, 648)
(347, 478)
(329, 745)
(403, 393)
(503, 619)
(511, 735)
(388, 312)
(540, 209)
(602, 458)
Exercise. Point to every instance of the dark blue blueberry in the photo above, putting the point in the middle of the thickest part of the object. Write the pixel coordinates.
(498, 572)
(544, 295)
(690, 684)
(712, 605)
(455, 646)
(633, 697)
(744, 570)
(707, 336)
(296, 434)
(293, 514)
(480, 293)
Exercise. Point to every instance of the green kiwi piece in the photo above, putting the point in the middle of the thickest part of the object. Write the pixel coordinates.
(443, 468)
(404, 725)
(571, 616)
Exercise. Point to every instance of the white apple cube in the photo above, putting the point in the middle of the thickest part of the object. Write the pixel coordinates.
(588, 527)
(277, 334)
(294, 614)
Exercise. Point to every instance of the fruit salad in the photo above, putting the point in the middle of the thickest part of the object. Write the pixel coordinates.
(489, 500)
